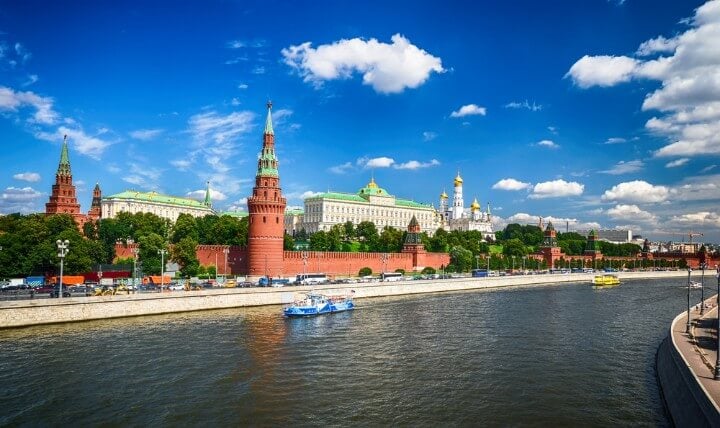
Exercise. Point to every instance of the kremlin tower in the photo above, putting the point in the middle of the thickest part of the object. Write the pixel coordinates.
(266, 207)
(458, 204)
(63, 199)
(95, 208)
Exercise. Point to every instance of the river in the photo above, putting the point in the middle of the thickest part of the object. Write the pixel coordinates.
(526, 356)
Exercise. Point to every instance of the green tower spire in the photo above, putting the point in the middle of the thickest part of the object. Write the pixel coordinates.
(268, 121)
(64, 165)
(208, 201)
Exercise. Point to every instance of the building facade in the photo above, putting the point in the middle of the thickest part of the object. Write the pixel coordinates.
(168, 207)
(455, 217)
(371, 203)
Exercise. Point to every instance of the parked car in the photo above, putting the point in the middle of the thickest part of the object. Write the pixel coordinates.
(56, 291)
(176, 287)
(80, 290)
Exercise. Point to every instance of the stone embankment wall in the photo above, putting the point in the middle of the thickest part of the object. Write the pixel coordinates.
(686, 399)
(49, 311)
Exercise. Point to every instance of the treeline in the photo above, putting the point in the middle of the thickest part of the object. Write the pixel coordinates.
(29, 247)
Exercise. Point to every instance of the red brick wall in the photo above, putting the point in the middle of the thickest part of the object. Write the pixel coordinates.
(344, 264)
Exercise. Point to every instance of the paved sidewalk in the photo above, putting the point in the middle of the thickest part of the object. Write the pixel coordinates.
(700, 347)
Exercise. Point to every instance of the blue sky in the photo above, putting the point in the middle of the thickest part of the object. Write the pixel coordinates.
(597, 113)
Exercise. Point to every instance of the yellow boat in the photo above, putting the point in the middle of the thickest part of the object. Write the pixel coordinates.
(606, 280)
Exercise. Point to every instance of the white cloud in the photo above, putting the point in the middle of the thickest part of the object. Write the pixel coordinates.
(242, 86)
(676, 163)
(702, 219)
(413, 164)
(688, 98)
(341, 169)
(388, 68)
(615, 140)
(553, 129)
(556, 189)
(602, 70)
(32, 79)
(301, 195)
(698, 188)
(31, 177)
(217, 139)
(143, 176)
(236, 44)
(181, 164)
(469, 110)
(22, 200)
(623, 167)
(235, 102)
(88, 145)
(429, 135)
(658, 44)
(258, 70)
(637, 191)
(548, 143)
(524, 104)
(381, 162)
(708, 168)
(199, 195)
(511, 184)
(630, 213)
(145, 134)
(280, 115)
(11, 100)
(558, 222)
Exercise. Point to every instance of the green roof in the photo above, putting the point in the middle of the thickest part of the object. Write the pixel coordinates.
(353, 197)
(64, 165)
(158, 198)
(295, 211)
(412, 204)
(268, 121)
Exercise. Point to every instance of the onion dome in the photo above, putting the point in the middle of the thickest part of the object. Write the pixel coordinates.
(372, 184)
(443, 195)
(458, 180)
(475, 205)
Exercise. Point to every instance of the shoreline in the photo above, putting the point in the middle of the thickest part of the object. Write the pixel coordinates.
(28, 312)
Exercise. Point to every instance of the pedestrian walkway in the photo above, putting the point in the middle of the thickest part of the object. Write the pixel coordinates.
(699, 348)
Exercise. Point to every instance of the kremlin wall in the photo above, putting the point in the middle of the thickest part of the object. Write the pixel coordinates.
(265, 255)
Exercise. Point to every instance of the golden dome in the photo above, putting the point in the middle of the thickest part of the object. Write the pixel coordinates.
(475, 205)
(372, 184)
(458, 180)
(443, 195)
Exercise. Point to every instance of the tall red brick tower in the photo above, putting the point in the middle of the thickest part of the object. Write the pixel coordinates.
(63, 199)
(266, 206)
(413, 244)
(95, 208)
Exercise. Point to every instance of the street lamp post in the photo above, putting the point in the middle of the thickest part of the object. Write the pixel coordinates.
(226, 251)
(477, 261)
(687, 326)
(384, 260)
(62, 252)
(717, 360)
(304, 256)
(162, 253)
(702, 289)
(136, 252)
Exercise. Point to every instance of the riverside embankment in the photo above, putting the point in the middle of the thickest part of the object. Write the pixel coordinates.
(49, 311)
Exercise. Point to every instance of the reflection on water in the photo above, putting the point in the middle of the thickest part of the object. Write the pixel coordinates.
(564, 354)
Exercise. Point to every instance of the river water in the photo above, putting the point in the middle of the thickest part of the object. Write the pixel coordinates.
(527, 356)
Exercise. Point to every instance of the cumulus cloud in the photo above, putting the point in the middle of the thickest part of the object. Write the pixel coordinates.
(676, 163)
(575, 224)
(603, 70)
(31, 177)
(688, 69)
(556, 189)
(630, 213)
(239, 205)
(387, 68)
(143, 176)
(181, 164)
(511, 184)
(145, 134)
(413, 164)
(702, 219)
(548, 143)
(469, 110)
(708, 168)
(11, 100)
(623, 167)
(22, 200)
(637, 191)
(524, 105)
(381, 162)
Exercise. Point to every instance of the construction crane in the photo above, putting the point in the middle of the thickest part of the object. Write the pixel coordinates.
(689, 234)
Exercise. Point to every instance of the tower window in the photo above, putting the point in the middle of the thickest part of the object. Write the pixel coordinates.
(264, 219)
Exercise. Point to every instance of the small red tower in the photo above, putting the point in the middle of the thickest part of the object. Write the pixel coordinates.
(413, 244)
(95, 208)
(266, 207)
(63, 199)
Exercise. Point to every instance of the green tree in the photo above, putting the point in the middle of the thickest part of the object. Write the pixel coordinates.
(365, 271)
(288, 242)
(319, 241)
(149, 245)
(185, 227)
(514, 248)
(461, 258)
(349, 230)
(183, 253)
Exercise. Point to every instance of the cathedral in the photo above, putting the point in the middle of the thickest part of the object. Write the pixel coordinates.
(456, 218)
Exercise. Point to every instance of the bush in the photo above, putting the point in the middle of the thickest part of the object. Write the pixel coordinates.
(399, 270)
(365, 271)
(428, 271)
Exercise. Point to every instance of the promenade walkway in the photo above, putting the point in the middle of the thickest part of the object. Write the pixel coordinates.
(699, 348)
